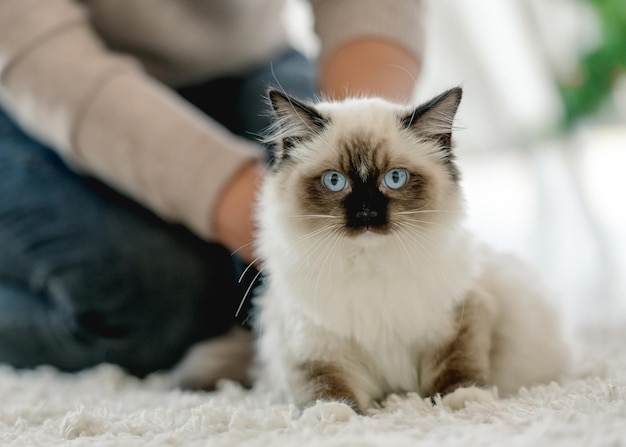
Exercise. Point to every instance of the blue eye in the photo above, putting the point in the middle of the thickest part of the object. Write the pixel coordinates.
(334, 181)
(396, 178)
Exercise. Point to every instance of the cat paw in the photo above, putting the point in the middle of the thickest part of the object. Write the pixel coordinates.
(460, 397)
(227, 357)
(329, 412)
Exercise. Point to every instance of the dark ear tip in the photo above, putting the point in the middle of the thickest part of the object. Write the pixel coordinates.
(274, 94)
(277, 99)
(453, 95)
(456, 91)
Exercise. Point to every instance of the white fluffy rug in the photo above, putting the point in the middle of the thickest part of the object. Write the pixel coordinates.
(105, 407)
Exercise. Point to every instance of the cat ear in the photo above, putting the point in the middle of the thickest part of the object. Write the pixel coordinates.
(295, 119)
(434, 119)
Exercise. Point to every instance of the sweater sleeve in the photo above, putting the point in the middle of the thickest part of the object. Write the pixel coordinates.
(340, 21)
(107, 118)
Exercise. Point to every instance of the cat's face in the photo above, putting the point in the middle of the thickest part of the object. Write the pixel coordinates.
(365, 167)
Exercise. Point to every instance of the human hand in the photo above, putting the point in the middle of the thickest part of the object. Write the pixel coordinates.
(372, 67)
(233, 224)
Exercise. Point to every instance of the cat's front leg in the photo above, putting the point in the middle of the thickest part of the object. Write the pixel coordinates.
(458, 371)
(460, 397)
(327, 381)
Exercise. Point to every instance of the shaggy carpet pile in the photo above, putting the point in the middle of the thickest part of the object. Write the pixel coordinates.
(106, 407)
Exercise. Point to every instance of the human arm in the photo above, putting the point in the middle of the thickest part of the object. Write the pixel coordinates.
(369, 47)
(371, 67)
(108, 118)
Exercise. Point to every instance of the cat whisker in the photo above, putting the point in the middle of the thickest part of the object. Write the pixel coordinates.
(415, 234)
(233, 253)
(248, 267)
(420, 211)
(408, 73)
(416, 225)
(318, 252)
(418, 222)
(406, 250)
(267, 166)
(315, 216)
(255, 260)
(320, 246)
(245, 295)
(423, 243)
(329, 255)
(315, 233)
(415, 231)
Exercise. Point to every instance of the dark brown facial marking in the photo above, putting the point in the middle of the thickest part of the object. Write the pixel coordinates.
(366, 204)
(329, 383)
(365, 207)
(464, 361)
(316, 199)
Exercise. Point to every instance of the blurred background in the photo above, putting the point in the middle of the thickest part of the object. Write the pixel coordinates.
(542, 133)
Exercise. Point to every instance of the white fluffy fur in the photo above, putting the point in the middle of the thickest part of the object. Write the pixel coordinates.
(376, 303)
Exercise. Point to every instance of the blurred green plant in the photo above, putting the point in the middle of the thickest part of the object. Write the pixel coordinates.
(599, 69)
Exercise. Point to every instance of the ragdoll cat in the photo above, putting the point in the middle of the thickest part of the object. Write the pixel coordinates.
(372, 283)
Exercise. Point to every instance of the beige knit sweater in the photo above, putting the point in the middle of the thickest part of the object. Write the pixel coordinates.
(90, 79)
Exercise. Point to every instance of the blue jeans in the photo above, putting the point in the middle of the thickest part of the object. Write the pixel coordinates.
(89, 276)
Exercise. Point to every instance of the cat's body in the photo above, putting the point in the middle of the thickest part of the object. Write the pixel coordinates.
(373, 285)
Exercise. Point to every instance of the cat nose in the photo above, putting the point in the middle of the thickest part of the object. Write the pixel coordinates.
(366, 214)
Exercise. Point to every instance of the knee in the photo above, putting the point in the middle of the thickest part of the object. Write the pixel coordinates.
(143, 313)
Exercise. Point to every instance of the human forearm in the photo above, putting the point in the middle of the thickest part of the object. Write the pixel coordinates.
(232, 219)
(109, 119)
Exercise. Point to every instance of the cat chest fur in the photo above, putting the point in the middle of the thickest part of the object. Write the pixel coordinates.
(371, 295)
(382, 308)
